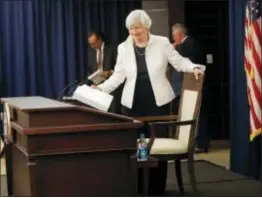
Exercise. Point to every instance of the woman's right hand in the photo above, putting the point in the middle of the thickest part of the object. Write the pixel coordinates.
(95, 87)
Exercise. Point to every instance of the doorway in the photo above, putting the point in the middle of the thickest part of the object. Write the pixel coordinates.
(208, 23)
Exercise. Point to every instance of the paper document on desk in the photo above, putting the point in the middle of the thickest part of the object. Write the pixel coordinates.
(97, 77)
(93, 97)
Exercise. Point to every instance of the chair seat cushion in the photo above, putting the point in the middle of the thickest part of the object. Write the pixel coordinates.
(166, 146)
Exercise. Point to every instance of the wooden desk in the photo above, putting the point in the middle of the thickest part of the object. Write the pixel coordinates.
(60, 149)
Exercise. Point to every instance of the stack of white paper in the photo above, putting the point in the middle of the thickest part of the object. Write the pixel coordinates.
(93, 97)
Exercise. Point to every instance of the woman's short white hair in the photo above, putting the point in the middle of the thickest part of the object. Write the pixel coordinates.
(138, 17)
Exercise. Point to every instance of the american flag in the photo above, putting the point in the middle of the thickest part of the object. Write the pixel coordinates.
(253, 65)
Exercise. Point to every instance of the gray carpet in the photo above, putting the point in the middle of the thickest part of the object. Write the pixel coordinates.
(234, 188)
(212, 180)
(205, 172)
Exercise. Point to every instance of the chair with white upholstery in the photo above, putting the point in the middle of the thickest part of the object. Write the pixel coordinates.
(181, 144)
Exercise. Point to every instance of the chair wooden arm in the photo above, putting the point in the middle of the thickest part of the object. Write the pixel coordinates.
(174, 123)
(157, 118)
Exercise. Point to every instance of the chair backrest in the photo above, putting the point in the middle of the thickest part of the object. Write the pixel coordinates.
(189, 108)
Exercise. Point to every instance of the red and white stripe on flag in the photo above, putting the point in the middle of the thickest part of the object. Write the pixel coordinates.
(253, 65)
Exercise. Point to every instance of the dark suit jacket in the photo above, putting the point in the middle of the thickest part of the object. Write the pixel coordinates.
(109, 61)
(109, 58)
(191, 49)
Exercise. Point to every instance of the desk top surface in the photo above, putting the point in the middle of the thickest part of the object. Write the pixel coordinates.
(34, 102)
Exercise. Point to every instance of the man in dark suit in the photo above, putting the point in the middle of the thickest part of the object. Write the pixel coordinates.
(188, 47)
(102, 56)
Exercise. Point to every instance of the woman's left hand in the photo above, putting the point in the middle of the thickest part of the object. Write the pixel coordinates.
(199, 70)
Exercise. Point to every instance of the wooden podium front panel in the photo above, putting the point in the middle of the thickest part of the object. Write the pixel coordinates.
(75, 164)
(81, 142)
(99, 174)
(70, 151)
(45, 141)
(74, 174)
(19, 176)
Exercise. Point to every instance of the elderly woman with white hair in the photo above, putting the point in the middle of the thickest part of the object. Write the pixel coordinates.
(142, 63)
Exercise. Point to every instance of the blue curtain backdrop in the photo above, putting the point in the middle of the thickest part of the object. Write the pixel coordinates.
(245, 157)
(43, 42)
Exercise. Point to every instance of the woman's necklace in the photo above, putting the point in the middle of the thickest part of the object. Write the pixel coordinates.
(139, 53)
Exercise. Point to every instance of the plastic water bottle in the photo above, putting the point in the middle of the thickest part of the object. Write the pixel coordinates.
(142, 148)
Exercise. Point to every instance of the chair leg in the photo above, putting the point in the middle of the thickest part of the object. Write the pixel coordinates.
(191, 172)
(179, 176)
